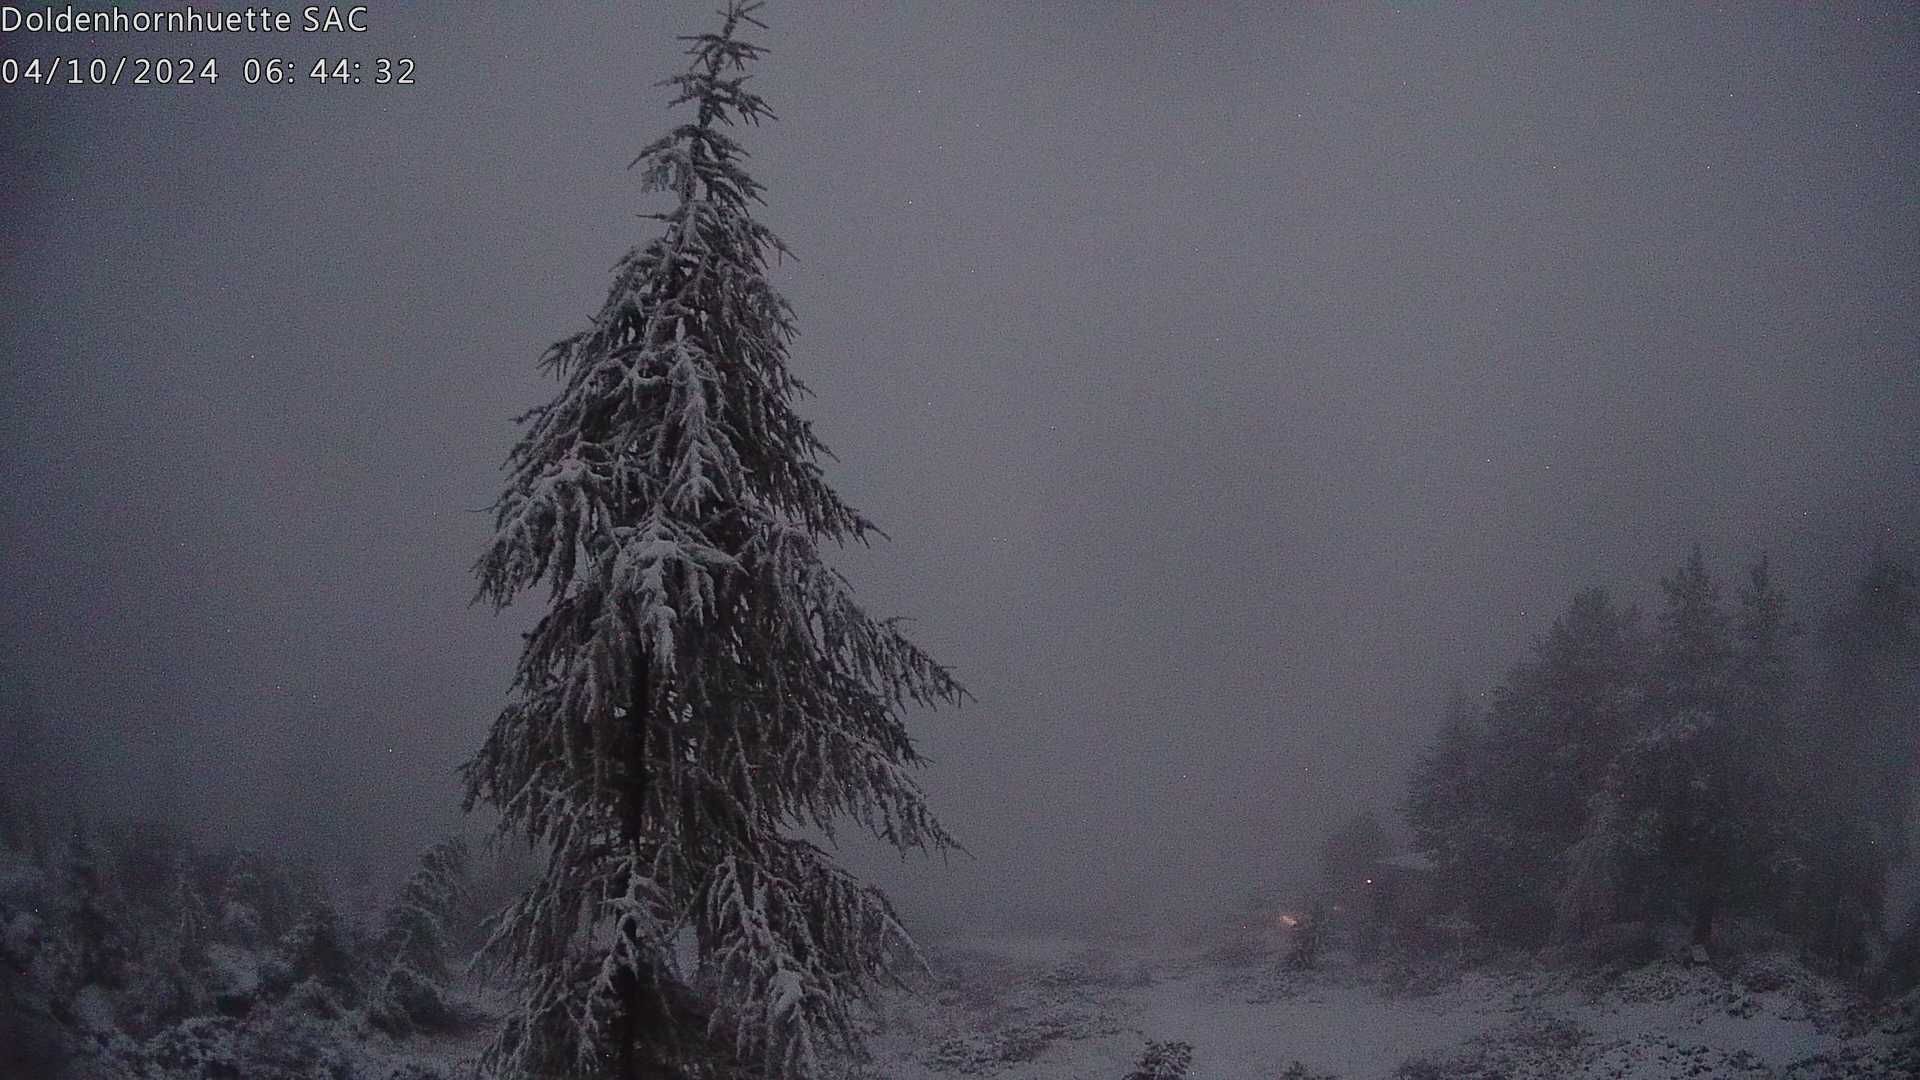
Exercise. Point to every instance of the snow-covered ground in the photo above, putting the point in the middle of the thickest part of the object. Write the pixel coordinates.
(1056, 1009)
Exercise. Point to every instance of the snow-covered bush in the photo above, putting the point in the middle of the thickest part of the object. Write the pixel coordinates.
(1163, 1061)
(405, 1002)
(285, 1044)
(317, 948)
(204, 1046)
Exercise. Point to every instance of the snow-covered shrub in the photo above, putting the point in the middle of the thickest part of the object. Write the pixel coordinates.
(290, 1042)
(1163, 1061)
(318, 949)
(205, 1046)
(984, 1054)
(314, 998)
(405, 1002)
(262, 899)
(219, 1048)
(159, 994)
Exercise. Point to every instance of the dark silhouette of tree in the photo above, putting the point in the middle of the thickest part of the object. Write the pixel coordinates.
(1860, 752)
(1501, 803)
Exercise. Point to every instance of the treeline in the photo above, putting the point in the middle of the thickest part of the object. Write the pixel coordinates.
(1634, 779)
(126, 950)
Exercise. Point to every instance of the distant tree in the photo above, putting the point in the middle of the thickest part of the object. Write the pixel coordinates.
(417, 940)
(1504, 798)
(318, 947)
(419, 928)
(1770, 759)
(1764, 631)
(702, 688)
(1349, 853)
(244, 892)
(1874, 687)
(1693, 644)
(1685, 784)
(1689, 775)
(1445, 807)
(259, 898)
(1694, 812)
(169, 970)
(1441, 788)
(1857, 764)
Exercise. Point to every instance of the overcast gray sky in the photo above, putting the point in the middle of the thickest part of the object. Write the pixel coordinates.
(1230, 376)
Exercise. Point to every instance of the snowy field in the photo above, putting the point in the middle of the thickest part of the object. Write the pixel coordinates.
(1064, 1010)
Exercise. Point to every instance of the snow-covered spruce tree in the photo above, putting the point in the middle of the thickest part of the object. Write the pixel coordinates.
(702, 687)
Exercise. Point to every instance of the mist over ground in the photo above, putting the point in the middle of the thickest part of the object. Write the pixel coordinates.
(1231, 380)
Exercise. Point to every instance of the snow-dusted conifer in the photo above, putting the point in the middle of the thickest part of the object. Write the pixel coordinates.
(1445, 807)
(418, 930)
(1689, 749)
(1865, 725)
(1500, 837)
(1589, 897)
(1770, 759)
(702, 685)
(318, 948)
